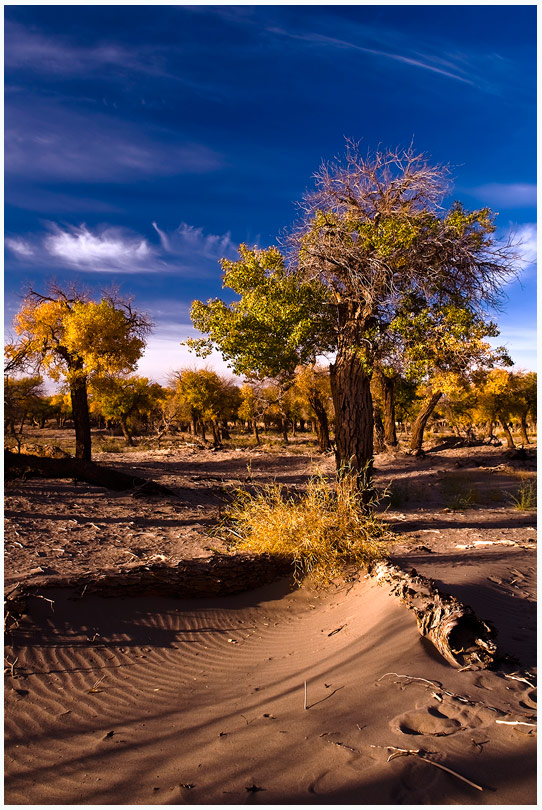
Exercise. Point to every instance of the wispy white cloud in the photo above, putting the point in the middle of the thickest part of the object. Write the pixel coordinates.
(105, 252)
(507, 195)
(30, 49)
(418, 60)
(525, 236)
(19, 247)
(186, 250)
(46, 141)
(163, 237)
(212, 246)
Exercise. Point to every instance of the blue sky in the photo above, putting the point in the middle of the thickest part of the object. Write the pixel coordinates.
(143, 143)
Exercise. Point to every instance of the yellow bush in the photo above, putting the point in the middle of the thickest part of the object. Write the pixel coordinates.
(322, 530)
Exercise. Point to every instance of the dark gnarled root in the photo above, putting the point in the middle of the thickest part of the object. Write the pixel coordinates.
(459, 635)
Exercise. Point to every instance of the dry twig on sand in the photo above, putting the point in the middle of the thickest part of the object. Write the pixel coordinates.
(421, 754)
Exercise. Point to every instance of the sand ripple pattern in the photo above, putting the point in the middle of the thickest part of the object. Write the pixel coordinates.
(157, 701)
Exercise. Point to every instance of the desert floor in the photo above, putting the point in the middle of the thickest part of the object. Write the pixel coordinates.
(148, 700)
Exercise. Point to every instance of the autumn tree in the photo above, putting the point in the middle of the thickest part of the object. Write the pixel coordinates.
(251, 408)
(443, 348)
(210, 398)
(312, 381)
(122, 397)
(23, 398)
(496, 401)
(278, 321)
(73, 338)
(524, 385)
(61, 407)
(373, 233)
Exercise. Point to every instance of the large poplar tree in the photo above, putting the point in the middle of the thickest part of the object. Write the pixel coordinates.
(373, 233)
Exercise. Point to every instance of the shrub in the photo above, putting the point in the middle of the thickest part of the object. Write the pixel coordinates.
(322, 530)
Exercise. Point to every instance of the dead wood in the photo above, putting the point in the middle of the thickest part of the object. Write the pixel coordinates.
(458, 634)
(29, 466)
(219, 575)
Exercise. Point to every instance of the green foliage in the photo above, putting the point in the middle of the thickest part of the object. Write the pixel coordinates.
(207, 394)
(278, 321)
(323, 530)
(116, 397)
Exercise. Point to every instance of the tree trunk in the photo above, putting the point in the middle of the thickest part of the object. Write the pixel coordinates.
(416, 440)
(379, 434)
(216, 434)
(81, 419)
(322, 423)
(351, 391)
(255, 429)
(284, 429)
(125, 431)
(509, 440)
(523, 428)
(388, 395)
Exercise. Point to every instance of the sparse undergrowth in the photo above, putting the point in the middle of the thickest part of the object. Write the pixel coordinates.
(525, 496)
(323, 531)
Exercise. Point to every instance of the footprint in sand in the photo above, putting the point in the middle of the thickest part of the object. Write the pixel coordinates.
(529, 699)
(414, 783)
(427, 721)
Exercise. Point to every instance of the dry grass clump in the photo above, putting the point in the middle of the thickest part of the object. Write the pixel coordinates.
(322, 531)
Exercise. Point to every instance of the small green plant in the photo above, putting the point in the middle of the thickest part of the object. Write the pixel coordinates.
(322, 531)
(525, 496)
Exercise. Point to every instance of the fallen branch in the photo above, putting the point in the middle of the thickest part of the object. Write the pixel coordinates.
(27, 466)
(459, 635)
(403, 752)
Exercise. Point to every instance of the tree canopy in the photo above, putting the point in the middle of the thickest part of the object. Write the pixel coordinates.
(69, 336)
(279, 320)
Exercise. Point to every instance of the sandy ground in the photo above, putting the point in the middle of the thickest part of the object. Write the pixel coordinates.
(160, 701)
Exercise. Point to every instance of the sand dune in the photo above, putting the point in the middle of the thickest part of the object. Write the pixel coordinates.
(159, 701)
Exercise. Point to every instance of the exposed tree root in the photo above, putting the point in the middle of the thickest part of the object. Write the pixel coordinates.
(28, 466)
(458, 634)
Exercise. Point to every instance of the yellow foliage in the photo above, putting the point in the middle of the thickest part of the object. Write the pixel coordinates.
(323, 531)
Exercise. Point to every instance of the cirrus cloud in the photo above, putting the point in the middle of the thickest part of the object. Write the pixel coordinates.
(186, 250)
(108, 251)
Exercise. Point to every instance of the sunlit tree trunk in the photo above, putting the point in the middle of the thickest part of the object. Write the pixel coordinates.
(351, 392)
(321, 422)
(388, 395)
(416, 439)
(509, 440)
(125, 430)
